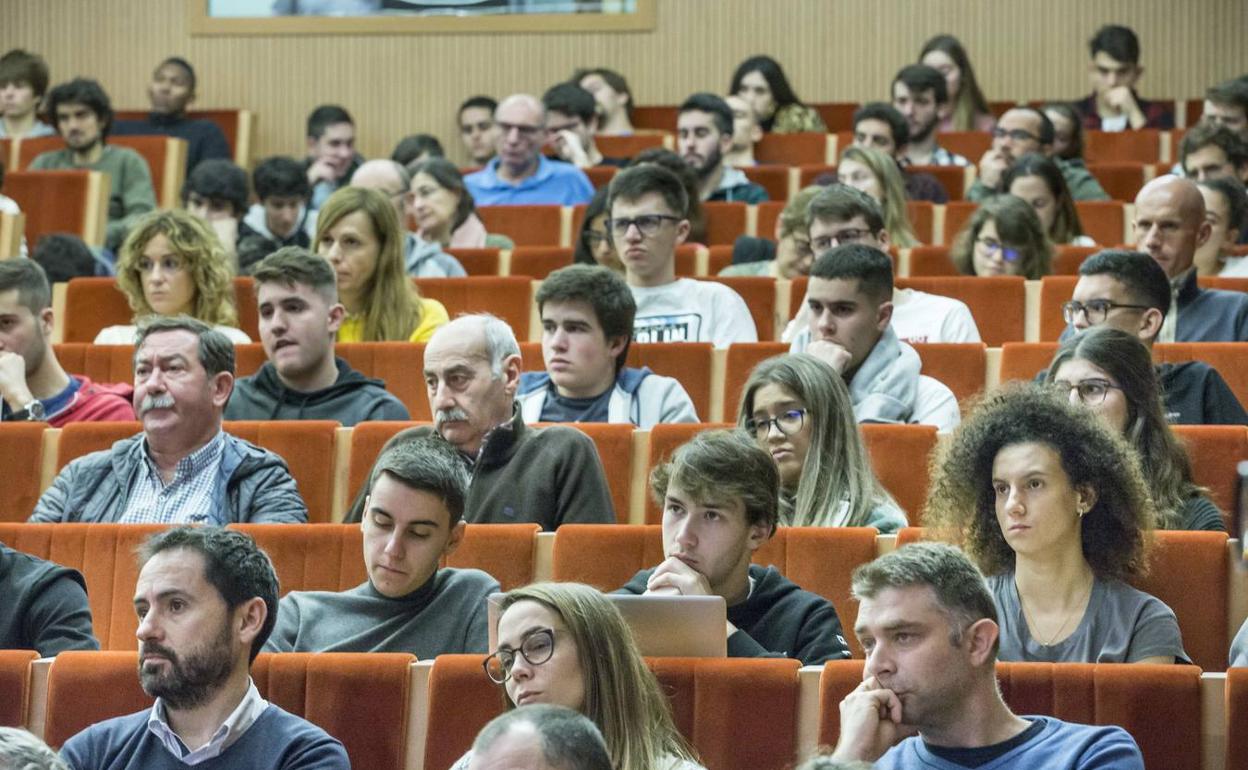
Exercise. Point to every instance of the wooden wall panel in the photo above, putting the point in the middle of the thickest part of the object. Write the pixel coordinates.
(832, 49)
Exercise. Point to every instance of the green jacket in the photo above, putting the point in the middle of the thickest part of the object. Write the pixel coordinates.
(1083, 186)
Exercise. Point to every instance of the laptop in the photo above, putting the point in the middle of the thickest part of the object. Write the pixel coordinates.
(664, 626)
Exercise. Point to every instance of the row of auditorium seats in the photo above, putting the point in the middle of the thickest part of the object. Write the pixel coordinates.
(331, 464)
(392, 713)
(1192, 572)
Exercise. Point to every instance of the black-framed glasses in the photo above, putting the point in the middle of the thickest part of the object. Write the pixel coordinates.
(1091, 391)
(1017, 134)
(1095, 310)
(1008, 253)
(788, 423)
(536, 648)
(592, 239)
(647, 224)
(849, 235)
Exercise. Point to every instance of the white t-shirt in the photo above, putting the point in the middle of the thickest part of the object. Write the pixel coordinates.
(692, 311)
(1235, 267)
(918, 317)
(124, 335)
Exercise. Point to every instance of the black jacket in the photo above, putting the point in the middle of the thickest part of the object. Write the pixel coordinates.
(45, 606)
(353, 398)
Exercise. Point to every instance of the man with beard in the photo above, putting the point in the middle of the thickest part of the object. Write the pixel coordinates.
(182, 469)
(206, 598)
(922, 97)
(704, 136)
(1019, 131)
(84, 115)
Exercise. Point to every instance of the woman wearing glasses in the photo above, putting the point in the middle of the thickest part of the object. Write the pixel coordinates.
(1003, 237)
(1055, 512)
(564, 644)
(594, 246)
(1111, 373)
(1038, 181)
(879, 176)
(798, 409)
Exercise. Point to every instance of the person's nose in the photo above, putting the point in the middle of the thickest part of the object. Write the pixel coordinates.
(394, 544)
(149, 628)
(440, 397)
(686, 533)
(879, 661)
(633, 234)
(1013, 499)
(825, 324)
(774, 434)
(154, 382)
(559, 340)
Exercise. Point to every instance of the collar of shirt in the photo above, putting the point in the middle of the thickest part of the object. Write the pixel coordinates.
(491, 180)
(237, 723)
(190, 465)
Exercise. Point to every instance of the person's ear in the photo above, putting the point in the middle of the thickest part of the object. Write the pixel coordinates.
(1203, 232)
(220, 387)
(616, 345)
(455, 538)
(883, 315)
(249, 620)
(979, 639)
(47, 318)
(759, 533)
(725, 142)
(337, 314)
(512, 367)
(1150, 325)
(1085, 498)
(682, 231)
(884, 238)
(311, 145)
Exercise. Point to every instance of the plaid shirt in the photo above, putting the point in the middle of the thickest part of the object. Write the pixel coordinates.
(940, 157)
(185, 500)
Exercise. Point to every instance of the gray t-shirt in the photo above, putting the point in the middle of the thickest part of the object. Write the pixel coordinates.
(1121, 625)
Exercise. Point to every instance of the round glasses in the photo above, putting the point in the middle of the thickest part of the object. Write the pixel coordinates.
(1090, 391)
(788, 423)
(537, 648)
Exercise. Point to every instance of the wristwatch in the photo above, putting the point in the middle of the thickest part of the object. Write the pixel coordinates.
(32, 412)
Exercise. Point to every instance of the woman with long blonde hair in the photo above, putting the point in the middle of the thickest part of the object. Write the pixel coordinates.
(878, 175)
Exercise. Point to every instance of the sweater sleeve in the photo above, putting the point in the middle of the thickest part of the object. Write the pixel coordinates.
(287, 627)
(137, 197)
(318, 751)
(59, 618)
(583, 496)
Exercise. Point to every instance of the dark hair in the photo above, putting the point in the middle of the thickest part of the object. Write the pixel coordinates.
(781, 92)
(291, 265)
(410, 148)
(569, 740)
(661, 156)
(604, 290)
(720, 464)
(280, 176)
(219, 180)
(1047, 131)
(872, 268)
(426, 464)
(1018, 226)
(238, 568)
(1204, 135)
(1071, 113)
(482, 102)
(1233, 92)
(961, 504)
(1066, 226)
(19, 66)
(841, 203)
(86, 92)
(636, 181)
(889, 114)
(970, 99)
(63, 256)
(28, 277)
(1139, 273)
(447, 175)
(614, 79)
(581, 254)
(919, 78)
(216, 352)
(1236, 199)
(1118, 41)
(186, 67)
(714, 106)
(325, 116)
(571, 99)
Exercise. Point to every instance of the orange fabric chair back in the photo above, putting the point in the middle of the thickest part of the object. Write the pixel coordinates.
(654, 118)
(21, 457)
(56, 201)
(81, 438)
(367, 440)
(908, 535)
(1023, 360)
(1225, 283)
(307, 446)
(720, 256)
(1103, 221)
(773, 179)
(506, 551)
(899, 456)
(462, 700)
(768, 215)
(537, 262)
(1214, 451)
(961, 365)
(996, 303)
(807, 173)
(524, 225)
(1055, 291)
(601, 176)
(15, 686)
(1190, 573)
(1121, 180)
(322, 557)
(742, 358)
(664, 440)
(970, 144)
(922, 215)
(686, 261)
(1067, 258)
(931, 260)
(32, 147)
(111, 679)
(957, 214)
(1139, 146)
(399, 364)
(509, 298)
(725, 221)
(605, 557)
(477, 262)
(688, 362)
(792, 149)
(759, 293)
(952, 178)
(628, 145)
(247, 358)
(837, 116)
(105, 363)
(92, 304)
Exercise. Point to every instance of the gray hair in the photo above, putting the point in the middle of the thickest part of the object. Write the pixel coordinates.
(216, 352)
(20, 750)
(569, 740)
(427, 464)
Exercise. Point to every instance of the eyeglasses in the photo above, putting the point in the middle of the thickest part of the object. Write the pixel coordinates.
(537, 648)
(849, 235)
(1095, 310)
(1090, 391)
(992, 247)
(1018, 135)
(787, 423)
(647, 224)
(523, 129)
(593, 239)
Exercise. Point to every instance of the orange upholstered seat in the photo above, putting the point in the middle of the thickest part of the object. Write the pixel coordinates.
(307, 446)
(627, 146)
(1215, 450)
(686, 261)
(970, 144)
(1227, 357)
(837, 116)
(92, 304)
(166, 162)
(1023, 360)
(15, 686)
(462, 699)
(792, 149)
(398, 364)
(1121, 180)
(537, 262)
(477, 262)
(68, 201)
(768, 215)
(922, 216)
(1055, 291)
(524, 225)
(931, 260)
(367, 439)
(509, 298)
(81, 438)
(1226, 283)
(605, 557)
(1067, 258)
(110, 677)
(957, 214)
(236, 125)
(601, 176)
(725, 221)
(688, 362)
(21, 457)
(1103, 221)
(899, 455)
(719, 257)
(997, 303)
(742, 358)
(807, 173)
(654, 117)
(952, 178)
(325, 557)
(759, 293)
(1142, 145)
(772, 178)
(961, 366)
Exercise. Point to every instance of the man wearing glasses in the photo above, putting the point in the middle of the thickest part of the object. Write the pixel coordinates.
(647, 206)
(519, 174)
(1128, 290)
(1018, 132)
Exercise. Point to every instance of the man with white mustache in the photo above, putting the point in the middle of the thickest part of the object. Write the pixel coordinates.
(182, 469)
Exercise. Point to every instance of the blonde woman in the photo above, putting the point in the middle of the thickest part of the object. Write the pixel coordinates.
(172, 263)
(878, 175)
(357, 230)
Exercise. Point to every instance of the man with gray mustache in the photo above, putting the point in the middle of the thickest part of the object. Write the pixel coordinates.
(182, 469)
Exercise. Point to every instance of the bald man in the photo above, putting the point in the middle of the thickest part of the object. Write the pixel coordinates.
(423, 259)
(1169, 226)
(520, 174)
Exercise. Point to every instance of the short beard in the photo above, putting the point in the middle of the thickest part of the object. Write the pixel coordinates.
(927, 132)
(192, 680)
(712, 162)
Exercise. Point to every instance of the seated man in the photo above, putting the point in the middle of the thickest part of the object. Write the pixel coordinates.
(1170, 225)
(33, 386)
(216, 192)
(332, 158)
(414, 148)
(1129, 291)
(84, 116)
(647, 207)
(520, 174)
(551, 475)
(1209, 151)
(928, 624)
(172, 89)
(477, 129)
(921, 95)
(704, 131)
(573, 120)
(297, 294)
(720, 496)
(540, 737)
(1114, 70)
(25, 75)
(587, 322)
(614, 97)
(746, 132)
(1019, 131)
(281, 218)
(206, 598)
(412, 518)
(182, 468)
(850, 301)
(1226, 105)
(45, 606)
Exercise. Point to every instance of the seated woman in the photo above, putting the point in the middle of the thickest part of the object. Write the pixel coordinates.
(441, 207)
(789, 255)
(1226, 209)
(594, 246)
(1111, 372)
(968, 110)
(1055, 512)
(358, 231)
(1067, 131)
(1003, 237)
(761, 82)
(799, 410)
(565, 644)
(879, 176)
(1038, 181)
(172, 263)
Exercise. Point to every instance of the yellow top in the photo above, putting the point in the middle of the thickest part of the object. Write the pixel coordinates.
(432, 315)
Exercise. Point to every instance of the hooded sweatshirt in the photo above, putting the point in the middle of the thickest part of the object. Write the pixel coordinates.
(639, 396)
(888, 388)
(353, 398)
(256, 241)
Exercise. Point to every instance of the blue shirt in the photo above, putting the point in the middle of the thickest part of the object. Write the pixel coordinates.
(555, 182)
(1058, 746)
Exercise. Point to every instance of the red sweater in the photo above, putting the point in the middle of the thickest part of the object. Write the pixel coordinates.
(97, 403)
